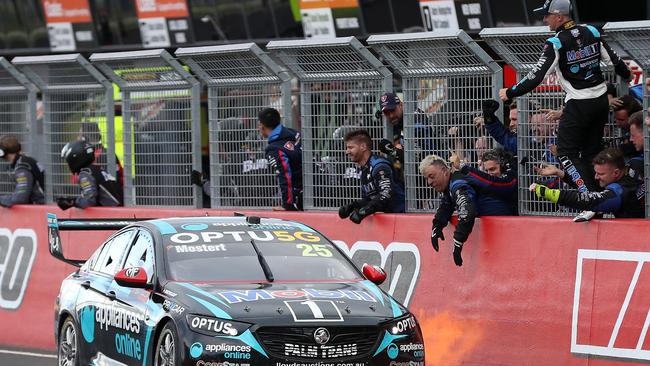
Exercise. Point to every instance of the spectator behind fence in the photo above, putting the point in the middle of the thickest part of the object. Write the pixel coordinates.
(284, 154)
(506, 137)
(98, 188)
(618, 197)
(623, 110)
(28, 174)
(380, 190)
(635, 164)
(575, 54)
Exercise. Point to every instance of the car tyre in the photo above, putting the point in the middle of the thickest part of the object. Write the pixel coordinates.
(168, 348)
(68, 344)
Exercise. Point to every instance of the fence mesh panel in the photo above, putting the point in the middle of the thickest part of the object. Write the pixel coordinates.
(445, 77)
(340, 86)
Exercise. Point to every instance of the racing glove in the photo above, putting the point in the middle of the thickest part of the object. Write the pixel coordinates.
(65, 203)
(359, 215)
(436, 233)
(346, 210)
(542, 191)
(489, 108)
(197, 178)
(388, 148)
(458, 248)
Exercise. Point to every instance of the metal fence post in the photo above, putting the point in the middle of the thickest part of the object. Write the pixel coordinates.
(340, 86)
(521, 48)
(17, 117)
(634, 38)
(160, 103)
(241, 81)
(76, 104)
(445, 76)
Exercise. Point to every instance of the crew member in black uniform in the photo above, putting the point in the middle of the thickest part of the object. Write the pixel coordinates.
(28, 174)
(284, 154)
(380, 190)
(98, 188)
(619, 196)
(575, 54)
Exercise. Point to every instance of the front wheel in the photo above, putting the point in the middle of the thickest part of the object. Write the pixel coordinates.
(68, 351)
(168, 347)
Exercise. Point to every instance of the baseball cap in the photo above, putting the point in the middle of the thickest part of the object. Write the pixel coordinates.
(389, 101)
(561, 7)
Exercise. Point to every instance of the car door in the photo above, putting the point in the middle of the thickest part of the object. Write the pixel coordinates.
(131, 342)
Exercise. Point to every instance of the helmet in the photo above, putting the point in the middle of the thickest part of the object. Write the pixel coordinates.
(9, 145)
(78, 154)
(561, 7)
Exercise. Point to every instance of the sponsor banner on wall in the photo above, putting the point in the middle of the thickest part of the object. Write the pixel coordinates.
(330, 18)
(69, 24)
(470, 15)
(164, 23)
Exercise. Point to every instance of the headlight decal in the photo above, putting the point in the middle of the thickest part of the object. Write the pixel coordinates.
(386, 341)
(213, 308)
(204, 293)
(374, 289)
(248, 338)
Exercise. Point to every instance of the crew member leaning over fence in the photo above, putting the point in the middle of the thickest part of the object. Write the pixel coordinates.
(28, 174)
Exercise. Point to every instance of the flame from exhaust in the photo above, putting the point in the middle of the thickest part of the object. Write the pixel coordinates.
(449, 339)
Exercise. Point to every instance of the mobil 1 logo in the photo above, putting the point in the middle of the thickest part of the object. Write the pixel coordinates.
(17, 254)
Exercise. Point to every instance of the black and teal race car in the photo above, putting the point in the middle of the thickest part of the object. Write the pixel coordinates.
(224, 291)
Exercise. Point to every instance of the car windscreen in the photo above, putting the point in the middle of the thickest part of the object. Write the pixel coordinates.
(292, 254)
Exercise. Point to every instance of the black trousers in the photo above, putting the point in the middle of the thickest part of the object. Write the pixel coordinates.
(580, 138)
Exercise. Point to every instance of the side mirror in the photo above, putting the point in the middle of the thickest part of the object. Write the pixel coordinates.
(135, 277)
(375, 274)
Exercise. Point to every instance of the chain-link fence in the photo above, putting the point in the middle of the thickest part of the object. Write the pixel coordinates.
(445, 76)
(17, 117)
(242, 80)
(340, 86)
(77, 103)
(634, 38)
(161, 126)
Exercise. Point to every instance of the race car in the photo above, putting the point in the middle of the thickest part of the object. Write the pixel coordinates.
(224, 291)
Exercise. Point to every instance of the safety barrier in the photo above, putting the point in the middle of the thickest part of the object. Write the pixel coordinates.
(634, 38)
(162, 139)
(445, 76)
(241, 81)
(17, 116)
(340, 86)
(515, 301)
(77, 103)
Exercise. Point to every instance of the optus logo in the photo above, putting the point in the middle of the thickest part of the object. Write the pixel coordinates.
(17, 254)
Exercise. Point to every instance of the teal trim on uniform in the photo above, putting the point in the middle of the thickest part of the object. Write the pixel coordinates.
(248, 338)
(593, 30)
(374, 289)
(202, 292)
(146, 345)
(388, 339)
(397, 312)
(53, 217)
(164, 227)
(556, 42)
(213, 309)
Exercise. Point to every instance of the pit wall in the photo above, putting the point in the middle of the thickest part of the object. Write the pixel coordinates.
(532, 290)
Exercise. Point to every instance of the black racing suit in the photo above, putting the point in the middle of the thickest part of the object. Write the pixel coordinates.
(619, 198)
(284, 154)
(380, 190)
(575, 54)
(461, 196)
(496, 196)
(98, 188)
(30, 183)
(636, 172)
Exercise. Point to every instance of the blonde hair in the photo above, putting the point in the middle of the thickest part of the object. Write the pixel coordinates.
(433, 160)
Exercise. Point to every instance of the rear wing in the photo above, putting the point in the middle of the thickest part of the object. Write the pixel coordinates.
(54, 225)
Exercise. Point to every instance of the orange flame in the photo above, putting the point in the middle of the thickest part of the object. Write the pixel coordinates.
(448, 339)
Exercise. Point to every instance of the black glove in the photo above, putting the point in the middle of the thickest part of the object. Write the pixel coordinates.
(379, 114)
(65, 203)
(360, 214)
(346, 210)
(436, 233)
(197, 178)
(458, 248)
(388, 148)
(489, 108)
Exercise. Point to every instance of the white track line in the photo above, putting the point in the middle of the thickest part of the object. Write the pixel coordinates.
(33, 354)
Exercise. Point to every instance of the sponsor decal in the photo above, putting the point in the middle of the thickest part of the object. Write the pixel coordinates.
(226, 363)
(320, 351)
(234, 297)
(87, 320)
(118, 318)
(314, 311)
(404, 325)
(584, 52)
(409, 363)
(132, 272)
(392, 351)
(416, 348)
(250, 165)
(173, 307)
(169, 293)
(201, 248)
(238, 236)
(321, 364)
(128, 346)
(217, 348)
(17, 254)
(196, 350)
(212, 325)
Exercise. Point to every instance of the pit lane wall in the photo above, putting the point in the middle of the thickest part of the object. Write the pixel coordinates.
(532, 291)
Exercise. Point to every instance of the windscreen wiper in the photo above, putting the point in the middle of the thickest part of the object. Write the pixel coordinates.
(263, 264)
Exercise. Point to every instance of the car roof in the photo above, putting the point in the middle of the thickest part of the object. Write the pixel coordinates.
(215, 223)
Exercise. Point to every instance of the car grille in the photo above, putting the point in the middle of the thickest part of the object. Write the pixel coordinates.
(303, 346)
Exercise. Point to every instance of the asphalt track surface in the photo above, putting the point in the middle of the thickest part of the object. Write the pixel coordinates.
(13, 357)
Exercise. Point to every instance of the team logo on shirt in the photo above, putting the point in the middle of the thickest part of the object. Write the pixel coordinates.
(289, 145)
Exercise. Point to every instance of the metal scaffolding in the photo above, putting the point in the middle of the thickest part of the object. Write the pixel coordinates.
(161, 132)
(77, 103)
(445, 76)
(340, 86)
(241, 80)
